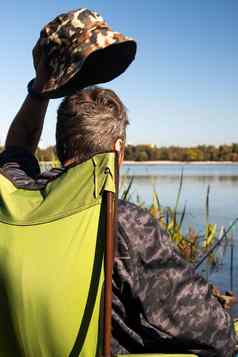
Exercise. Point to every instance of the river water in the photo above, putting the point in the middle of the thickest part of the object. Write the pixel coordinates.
(222, 179)
(223, 202)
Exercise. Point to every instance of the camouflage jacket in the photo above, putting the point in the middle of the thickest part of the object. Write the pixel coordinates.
(159, 303)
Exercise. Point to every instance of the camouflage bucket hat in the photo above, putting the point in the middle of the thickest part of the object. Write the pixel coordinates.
(81, 50)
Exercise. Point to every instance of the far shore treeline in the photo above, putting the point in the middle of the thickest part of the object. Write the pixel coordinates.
(171, 153)
(177, 153)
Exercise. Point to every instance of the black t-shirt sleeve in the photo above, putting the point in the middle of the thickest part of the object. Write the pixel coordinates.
(16, 161)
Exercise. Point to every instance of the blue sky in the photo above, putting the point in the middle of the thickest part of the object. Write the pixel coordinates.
(182, 88)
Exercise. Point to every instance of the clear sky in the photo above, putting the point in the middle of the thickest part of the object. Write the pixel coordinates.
(182, 88)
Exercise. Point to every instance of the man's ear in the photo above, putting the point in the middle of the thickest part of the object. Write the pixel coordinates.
(119, 147)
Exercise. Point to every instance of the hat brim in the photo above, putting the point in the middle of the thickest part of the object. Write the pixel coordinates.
(101, 66)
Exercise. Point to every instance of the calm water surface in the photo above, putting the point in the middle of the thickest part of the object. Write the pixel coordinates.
(223, 182)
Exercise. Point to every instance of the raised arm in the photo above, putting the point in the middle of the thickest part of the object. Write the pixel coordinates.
(26, 128)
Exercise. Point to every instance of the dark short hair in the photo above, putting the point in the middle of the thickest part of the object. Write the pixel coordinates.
(89, 122)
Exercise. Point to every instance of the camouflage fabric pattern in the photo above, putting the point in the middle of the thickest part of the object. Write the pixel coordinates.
(160, 304)
(69, 39)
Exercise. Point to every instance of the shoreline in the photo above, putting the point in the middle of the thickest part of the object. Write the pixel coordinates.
(167, 162)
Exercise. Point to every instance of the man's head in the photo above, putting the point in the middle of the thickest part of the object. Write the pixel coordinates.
(92, 121)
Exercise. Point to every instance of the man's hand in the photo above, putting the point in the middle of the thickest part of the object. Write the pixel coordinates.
(227, 300)
(42, 71)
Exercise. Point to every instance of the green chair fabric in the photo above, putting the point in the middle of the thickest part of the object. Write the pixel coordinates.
(236, 326)
(50, 277)
(51, 263)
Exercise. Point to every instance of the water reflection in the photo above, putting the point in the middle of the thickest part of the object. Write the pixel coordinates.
(223, 181)
(175, 178)
(176, 169)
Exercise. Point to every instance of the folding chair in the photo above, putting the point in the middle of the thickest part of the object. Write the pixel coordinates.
(52, 244)
(51, 262)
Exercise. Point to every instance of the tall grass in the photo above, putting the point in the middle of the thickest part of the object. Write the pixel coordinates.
(195, 248)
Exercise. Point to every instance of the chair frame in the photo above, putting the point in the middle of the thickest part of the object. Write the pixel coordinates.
(111, 228)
